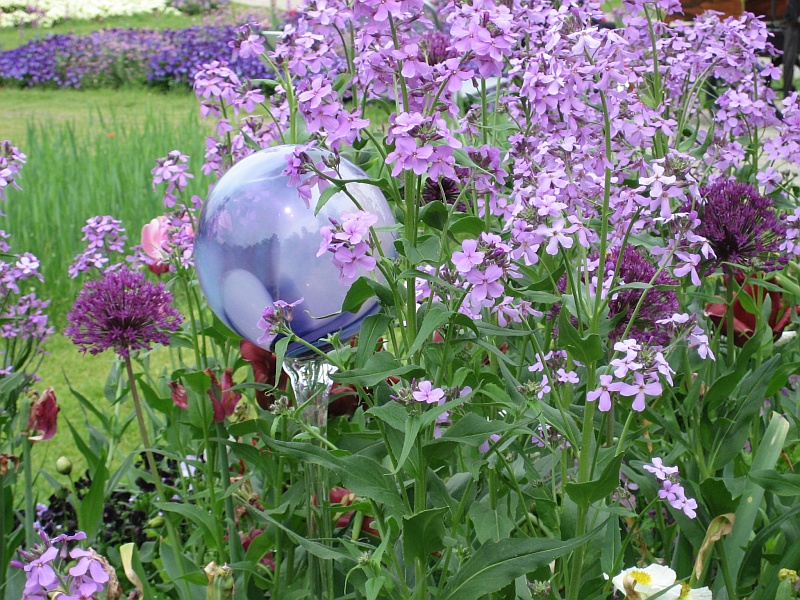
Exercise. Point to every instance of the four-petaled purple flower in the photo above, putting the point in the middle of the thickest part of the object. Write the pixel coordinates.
(425, 392)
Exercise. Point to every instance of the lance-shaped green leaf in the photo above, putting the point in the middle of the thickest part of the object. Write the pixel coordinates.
(495, 565)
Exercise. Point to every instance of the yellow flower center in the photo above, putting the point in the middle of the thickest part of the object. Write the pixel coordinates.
(685, 589)
(641, 577)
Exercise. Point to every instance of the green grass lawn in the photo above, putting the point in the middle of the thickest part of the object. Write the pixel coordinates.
(89, 153)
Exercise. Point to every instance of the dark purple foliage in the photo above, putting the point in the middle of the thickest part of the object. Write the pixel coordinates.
(113, 57)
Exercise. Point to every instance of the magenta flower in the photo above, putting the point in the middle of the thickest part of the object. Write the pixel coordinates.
(43, 417)
(274, 319)
(349, 260)
(660, 470)
(428, 394)
(122, 311)
(154, 237)
(639, 390)
(469, 258)
(602, 394)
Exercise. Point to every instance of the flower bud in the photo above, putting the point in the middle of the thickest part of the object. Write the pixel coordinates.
(156, 522)
(220, 582)
(64, 465)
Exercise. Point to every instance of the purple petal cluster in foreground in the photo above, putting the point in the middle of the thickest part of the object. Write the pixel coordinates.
(122, 311)
(113, 57)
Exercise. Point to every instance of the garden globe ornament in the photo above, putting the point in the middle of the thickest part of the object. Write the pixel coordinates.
(257, 247)
(258, 242)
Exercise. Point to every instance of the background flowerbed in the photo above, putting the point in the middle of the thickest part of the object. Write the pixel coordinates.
(115, 57)
(46, 13)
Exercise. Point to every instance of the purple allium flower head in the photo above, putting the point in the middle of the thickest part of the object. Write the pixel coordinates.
(659, 304)
(741, 225)
(122, 311)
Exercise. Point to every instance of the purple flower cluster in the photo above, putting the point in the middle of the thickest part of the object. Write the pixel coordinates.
(671, 489)
(741, 226)
(351, 244)
(11, 161)
(658, 304)
(122, 311)
(104, 234)
(275, 320)
(113, 57)
(174, 171)
(48, 570)
(22, 317)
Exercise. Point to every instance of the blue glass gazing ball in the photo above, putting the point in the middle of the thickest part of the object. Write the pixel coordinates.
(257, 242)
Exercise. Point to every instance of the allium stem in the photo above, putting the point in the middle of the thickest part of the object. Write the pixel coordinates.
(729, 337)
(151, 463)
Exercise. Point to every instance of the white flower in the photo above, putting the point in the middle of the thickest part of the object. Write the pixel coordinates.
(687, 593)
(648, 581)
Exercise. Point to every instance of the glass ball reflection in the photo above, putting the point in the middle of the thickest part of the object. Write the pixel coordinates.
(256, 242)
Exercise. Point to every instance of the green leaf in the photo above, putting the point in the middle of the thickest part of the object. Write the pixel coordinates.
(196, 515)
(495, 565)
(92, 459)
(434, 215)
(411, 431)
(134, 570)
(362, 290)
(423, 534)
(152, 398)
(427, 249)
(393, 414)
(780, 484)
(584, 349)
(731, 435)
(434, 319)
(326, 195)
(591, 491)
(359, 474)
(372, 329)
(359, 292)
(201, 413)
(90, 508)
(750, 504)
(379, 366)
(467, 226)
(781, 376)
(490, 524)
(472, 430)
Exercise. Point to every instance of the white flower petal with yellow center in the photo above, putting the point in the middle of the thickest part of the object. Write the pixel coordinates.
(649, 581)
(688, 593)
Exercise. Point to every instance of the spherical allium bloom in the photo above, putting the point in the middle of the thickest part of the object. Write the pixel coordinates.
(122, 311)
(741, 226)
(658, 304)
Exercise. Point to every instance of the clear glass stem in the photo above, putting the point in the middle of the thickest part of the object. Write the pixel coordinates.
(311, 382)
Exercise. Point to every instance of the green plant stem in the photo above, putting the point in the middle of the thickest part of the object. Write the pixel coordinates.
(30, 536)
(151, 463)
(729, 328)
(234, 543)
(584, 462)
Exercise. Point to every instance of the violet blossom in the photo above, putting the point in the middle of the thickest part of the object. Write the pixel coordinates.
(122, 311)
